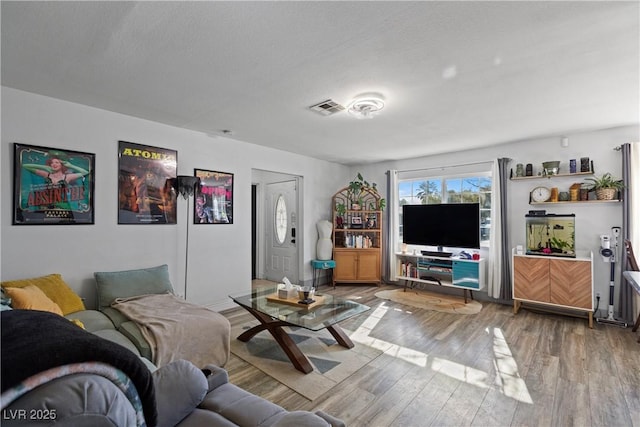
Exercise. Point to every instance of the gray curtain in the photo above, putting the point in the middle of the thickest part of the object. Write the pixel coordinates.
(505, 289)
(625, 299)
(388, 256)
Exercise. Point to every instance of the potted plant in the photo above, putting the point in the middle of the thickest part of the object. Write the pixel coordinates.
(605, 186)
(341, 210)
(357, 189)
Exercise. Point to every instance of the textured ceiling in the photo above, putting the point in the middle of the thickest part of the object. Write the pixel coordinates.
(455, 75)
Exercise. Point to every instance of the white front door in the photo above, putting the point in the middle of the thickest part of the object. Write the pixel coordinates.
(280, 228)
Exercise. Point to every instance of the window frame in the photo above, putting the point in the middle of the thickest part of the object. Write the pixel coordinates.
(443, 178)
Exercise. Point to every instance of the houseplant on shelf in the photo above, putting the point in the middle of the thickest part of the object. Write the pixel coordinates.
(357, 189)
(341, 210)
(605, 186)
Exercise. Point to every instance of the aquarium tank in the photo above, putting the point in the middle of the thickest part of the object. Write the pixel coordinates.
(551, 235)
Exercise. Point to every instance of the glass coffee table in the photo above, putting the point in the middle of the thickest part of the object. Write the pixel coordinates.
(274, 313)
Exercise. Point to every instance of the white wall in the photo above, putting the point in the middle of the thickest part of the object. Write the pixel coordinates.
(592, 220)
(219, 255)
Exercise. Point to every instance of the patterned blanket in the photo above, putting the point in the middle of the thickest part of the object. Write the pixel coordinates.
(116, 376)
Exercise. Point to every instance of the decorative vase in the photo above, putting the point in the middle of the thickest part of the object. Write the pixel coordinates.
(324, 247)
(574, 194)
(584, 164)
(551, 168)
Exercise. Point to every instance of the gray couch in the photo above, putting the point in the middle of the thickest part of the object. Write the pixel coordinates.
(79, 394)
(46, 378)
(150, 287)
(115, 285)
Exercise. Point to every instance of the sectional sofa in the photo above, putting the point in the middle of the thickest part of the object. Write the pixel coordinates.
(94, 367)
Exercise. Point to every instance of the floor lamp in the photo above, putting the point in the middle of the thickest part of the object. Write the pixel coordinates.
(185, 185)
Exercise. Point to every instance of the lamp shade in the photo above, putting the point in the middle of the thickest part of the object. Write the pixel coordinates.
(185, 185)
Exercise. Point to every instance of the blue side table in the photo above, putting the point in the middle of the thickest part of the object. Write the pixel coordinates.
(319, 265)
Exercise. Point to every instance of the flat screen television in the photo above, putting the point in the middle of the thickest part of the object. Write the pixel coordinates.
(454, 225)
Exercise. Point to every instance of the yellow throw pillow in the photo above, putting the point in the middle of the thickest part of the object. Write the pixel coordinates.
(32, 298)
(53, 287)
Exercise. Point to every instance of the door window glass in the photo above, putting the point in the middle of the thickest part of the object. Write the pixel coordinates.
(281, 219)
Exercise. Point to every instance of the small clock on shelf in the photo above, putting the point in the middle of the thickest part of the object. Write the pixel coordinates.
(540, 194)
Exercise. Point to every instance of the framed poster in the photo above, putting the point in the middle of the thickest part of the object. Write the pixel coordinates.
(144, 184)
(214, 198)
(52, 186)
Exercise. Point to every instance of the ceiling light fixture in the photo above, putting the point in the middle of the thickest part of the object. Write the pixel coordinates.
(366, 106)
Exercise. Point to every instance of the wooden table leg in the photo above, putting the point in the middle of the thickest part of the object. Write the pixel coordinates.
(342, 338)
(293, 352)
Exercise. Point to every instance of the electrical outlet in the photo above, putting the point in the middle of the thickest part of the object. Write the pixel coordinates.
(598, 295)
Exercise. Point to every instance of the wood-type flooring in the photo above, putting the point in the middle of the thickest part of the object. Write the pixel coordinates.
(489, 369)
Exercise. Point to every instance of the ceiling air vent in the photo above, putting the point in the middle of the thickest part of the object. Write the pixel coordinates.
(327, 108)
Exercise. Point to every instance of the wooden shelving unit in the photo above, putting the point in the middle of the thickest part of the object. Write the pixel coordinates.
(357, 238)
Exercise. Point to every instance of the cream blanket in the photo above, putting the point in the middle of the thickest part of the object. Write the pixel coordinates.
(177, 329)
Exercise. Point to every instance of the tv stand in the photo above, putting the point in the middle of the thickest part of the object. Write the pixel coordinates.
(433, 279)
(465, 274)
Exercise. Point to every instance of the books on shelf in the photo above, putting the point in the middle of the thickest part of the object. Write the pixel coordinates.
(358, 241)
(408, 269)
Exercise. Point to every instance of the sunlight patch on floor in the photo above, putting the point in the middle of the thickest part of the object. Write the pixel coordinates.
(363, 336)
(460, 372)
(507, 379)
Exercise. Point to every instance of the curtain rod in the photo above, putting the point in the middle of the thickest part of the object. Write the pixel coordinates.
(445, 167)
(621, 146)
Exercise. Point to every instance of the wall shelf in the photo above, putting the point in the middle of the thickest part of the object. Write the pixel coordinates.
(569, 202)
(560, 175)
